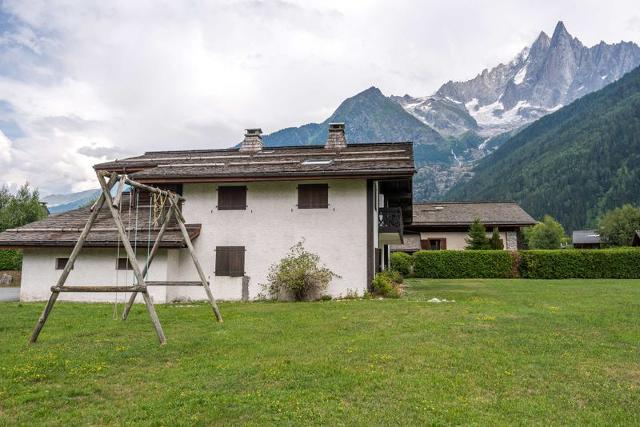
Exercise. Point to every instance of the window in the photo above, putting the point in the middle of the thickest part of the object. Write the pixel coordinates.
(433, 244)
(61, 263)
(232, 198)
(230, 261)
(313, 196)
(123, 264)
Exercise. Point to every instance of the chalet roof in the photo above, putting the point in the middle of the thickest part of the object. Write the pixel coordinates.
(585, 237)
(63, 230)
(464, 213)
(367, 160)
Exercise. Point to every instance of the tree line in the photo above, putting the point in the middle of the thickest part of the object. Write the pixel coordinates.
(616, 227)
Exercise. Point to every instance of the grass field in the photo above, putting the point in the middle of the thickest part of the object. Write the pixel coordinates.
(505, 352)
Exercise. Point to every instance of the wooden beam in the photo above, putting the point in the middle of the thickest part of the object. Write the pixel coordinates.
(192, 252)
(106, 188)
(98, 288)
(152, 189)
(172, 283)
(116, 201)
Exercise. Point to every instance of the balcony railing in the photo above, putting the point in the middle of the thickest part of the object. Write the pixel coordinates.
(390, 220)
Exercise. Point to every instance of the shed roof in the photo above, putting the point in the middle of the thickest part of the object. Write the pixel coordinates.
(381, 160)
(63, 230)
(464, 213)
(585, 237)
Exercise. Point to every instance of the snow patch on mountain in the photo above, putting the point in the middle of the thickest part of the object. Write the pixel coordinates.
(519, 78)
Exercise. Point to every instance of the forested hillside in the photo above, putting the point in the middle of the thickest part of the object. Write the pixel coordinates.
(573, 164)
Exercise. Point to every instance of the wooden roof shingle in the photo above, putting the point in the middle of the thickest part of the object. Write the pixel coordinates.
(464, 213)
(63, 230)
(367, 160)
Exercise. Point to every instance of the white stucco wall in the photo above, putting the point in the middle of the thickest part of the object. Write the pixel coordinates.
(269, 226)
(455, 239)
(93, 267)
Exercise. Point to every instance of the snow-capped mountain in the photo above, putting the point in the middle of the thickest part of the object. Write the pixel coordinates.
(552, 72)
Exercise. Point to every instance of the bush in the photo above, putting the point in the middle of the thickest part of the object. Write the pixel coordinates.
(547, 234)
(10, 260)
(387, 284)
(402, 262)
(463, 264)
(298, 276)
(581, 264)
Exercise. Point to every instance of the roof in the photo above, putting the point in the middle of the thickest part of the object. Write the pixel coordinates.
(63, 230)
(377, 160)
(464, 213)
(585, 237)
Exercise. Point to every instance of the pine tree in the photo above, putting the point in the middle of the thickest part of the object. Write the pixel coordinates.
(496, 241)
(477, 236)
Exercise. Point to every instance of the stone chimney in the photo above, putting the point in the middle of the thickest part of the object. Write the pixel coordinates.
(252, 140)
(336, 139)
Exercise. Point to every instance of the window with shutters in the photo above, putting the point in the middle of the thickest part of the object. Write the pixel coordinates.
(232, 198)
(230, 261)
(61, 263)
(313, 196)
(123, 264)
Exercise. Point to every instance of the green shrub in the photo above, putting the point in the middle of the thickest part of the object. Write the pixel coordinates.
(386, 284)
(402, 262)
(463, 264)
(299, 276)
(10, 260)
(580, 264)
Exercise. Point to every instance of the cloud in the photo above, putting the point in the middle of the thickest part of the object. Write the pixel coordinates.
(5, 149)
(89, 80)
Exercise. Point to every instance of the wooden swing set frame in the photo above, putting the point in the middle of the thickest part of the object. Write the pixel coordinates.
(141, 284)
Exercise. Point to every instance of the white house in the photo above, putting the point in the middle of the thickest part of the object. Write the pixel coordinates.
(245, 207)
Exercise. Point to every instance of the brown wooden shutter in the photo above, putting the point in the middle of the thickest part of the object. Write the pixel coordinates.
(313, 196)
(230, 261)
(232, 198)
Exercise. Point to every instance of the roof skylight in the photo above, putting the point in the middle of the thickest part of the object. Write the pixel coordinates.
(313, 162)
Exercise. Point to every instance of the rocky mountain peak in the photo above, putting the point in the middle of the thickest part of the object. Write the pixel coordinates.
(543, 77)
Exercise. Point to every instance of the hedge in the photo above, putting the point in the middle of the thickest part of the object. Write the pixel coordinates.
(463, 264)
(10, 260)
(402, 262)
(580, 264)
(534, 264)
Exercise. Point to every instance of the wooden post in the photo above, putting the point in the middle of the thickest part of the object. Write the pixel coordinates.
(116, 201)
(192, 252)
(72, 258)
(132, 259)
(152, 254)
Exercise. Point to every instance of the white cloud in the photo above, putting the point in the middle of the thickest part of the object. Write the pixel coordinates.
(88, 79)
(5, 149)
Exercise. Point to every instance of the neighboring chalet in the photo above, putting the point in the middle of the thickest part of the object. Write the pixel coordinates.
(246, 207)
(445, 225)
(586, 239)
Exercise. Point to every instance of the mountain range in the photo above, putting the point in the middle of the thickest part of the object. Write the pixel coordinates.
(574, 164)
(464, 121)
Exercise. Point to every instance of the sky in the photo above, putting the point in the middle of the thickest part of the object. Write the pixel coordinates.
(90, 81)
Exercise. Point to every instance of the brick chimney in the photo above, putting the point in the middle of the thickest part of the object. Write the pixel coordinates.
(336, 138)
(252, 140)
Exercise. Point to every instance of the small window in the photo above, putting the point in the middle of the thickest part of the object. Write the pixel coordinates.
(230, 261)
(61, 263)
(313, 196)
(232, 198)
(123, 264)
(437, 244)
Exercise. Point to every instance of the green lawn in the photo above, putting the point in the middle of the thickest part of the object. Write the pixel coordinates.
(505, 352)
